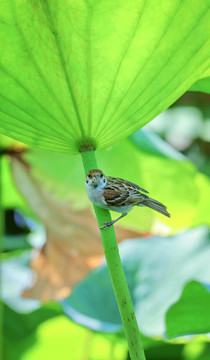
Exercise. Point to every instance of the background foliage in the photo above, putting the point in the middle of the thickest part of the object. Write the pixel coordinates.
(168, 276)
(93, 72)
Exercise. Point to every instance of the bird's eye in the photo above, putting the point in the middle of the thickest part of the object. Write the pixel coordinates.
(101, 176)
(90, 176)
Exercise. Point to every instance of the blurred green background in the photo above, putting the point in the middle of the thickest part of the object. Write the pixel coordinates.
(57, 299)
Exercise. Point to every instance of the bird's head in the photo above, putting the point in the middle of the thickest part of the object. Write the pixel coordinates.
(95, 178)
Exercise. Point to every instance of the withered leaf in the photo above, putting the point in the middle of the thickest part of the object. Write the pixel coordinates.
(73, 246)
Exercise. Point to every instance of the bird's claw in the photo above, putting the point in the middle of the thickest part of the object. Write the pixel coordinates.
(107, 225)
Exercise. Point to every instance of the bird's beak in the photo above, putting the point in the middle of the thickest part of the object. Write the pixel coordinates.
(95, 181)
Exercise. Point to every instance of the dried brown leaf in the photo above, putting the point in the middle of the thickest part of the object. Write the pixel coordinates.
(73, 246)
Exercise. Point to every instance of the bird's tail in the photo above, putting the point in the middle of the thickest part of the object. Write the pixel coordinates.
(156, 205)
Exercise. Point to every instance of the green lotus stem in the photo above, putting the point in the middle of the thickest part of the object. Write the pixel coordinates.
(116, 272)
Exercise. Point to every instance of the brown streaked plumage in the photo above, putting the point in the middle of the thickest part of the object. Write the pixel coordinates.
(119, 195)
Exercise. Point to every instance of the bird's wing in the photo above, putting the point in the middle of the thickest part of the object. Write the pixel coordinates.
(135, 187)
(118, 193)
(115, 197)
(128, 184)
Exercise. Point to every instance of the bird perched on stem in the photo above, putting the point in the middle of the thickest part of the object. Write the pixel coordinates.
(119, 195)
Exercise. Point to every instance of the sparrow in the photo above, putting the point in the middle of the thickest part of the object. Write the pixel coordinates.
(118, 195)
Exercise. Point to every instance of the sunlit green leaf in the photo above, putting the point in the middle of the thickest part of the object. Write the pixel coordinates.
(7, 143)
(18, 326)
(47, 332)
(202, 85)
(191, 313)
(92, 72)
(197, 349)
